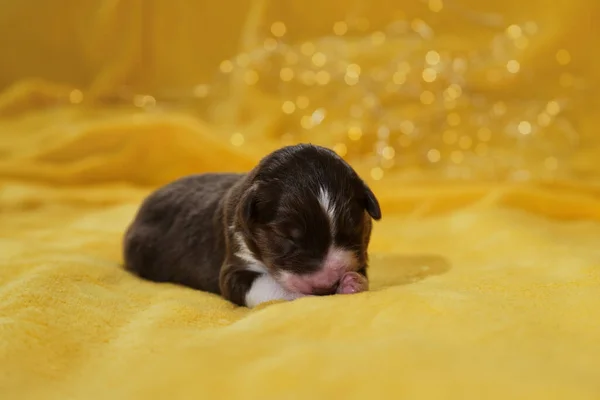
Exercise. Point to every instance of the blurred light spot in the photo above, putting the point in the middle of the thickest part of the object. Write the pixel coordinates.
(237, 139)
(521, 43)
(76, 96)
(407, 127)
(432, 57)
(551, 163)
(421, 27)
(355, 133)
(465, 142)
(513, 66)
(323, 77)
(340, 149)
(404, 66)
(306, 122)
(499, 108)
(302, 102)
(429, 75)
(434, 155)
(553, 108)
(544, 119)
(383, 132)
(524, 127)
(436, 5)
(201, 90)
(278, 29)
(457, 156)
(286, 74)
(453, 91)
(531, 28)
(378, 38)
(226, 66)
(288, 107)
(251, 77)
(388, 152)
(385, 163)
(307, 48)
(377, 173)
(144, 101)
(242, 60)
(459, 65)
(353, 70)
(350, 81)
(370, 101)
(319, 59)
(340, 28)
(563, 57)
(514, 31)
(427, 97)
(318, 116)
(399, 78)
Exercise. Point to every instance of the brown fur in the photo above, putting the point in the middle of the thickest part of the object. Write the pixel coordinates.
(184, 232)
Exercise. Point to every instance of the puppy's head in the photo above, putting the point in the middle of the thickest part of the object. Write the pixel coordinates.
(307, 217)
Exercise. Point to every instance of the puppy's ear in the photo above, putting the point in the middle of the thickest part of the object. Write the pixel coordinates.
(371, 203)
(258, 205)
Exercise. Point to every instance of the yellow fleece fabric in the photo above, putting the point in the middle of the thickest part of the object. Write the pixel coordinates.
(479, 290)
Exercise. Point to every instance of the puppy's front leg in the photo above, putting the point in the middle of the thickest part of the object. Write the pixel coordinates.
(245, 287)
(353, 282)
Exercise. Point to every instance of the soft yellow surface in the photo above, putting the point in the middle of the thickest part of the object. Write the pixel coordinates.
(479, 290)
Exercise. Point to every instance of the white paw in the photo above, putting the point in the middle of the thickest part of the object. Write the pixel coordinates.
(265, 289)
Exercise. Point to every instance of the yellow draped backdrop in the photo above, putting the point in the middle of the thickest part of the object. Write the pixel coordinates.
(475, 122)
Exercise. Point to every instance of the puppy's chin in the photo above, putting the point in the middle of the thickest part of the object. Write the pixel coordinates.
(324, 280)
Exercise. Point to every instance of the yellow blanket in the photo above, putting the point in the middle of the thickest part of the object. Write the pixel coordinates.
(479, 290)
(489, 299)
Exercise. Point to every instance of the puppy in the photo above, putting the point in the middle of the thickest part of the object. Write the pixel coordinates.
(298, 224)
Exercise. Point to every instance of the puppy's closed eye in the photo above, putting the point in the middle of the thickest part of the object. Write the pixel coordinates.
(289, 240)
(288, 246)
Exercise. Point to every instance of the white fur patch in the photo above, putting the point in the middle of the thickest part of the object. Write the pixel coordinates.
(245, 254)
(264, 289)
(328, 205)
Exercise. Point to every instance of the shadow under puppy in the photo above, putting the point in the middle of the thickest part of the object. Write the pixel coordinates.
(298, 224)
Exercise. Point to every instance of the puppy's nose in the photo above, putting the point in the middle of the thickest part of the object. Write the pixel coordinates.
(325, 291)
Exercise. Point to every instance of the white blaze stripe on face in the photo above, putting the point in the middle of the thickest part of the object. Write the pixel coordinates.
(264, 289)
(328, 205)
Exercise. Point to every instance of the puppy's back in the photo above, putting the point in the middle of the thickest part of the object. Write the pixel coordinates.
(177, 234)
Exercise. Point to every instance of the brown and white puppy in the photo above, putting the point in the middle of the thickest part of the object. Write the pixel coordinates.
(298, 224)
